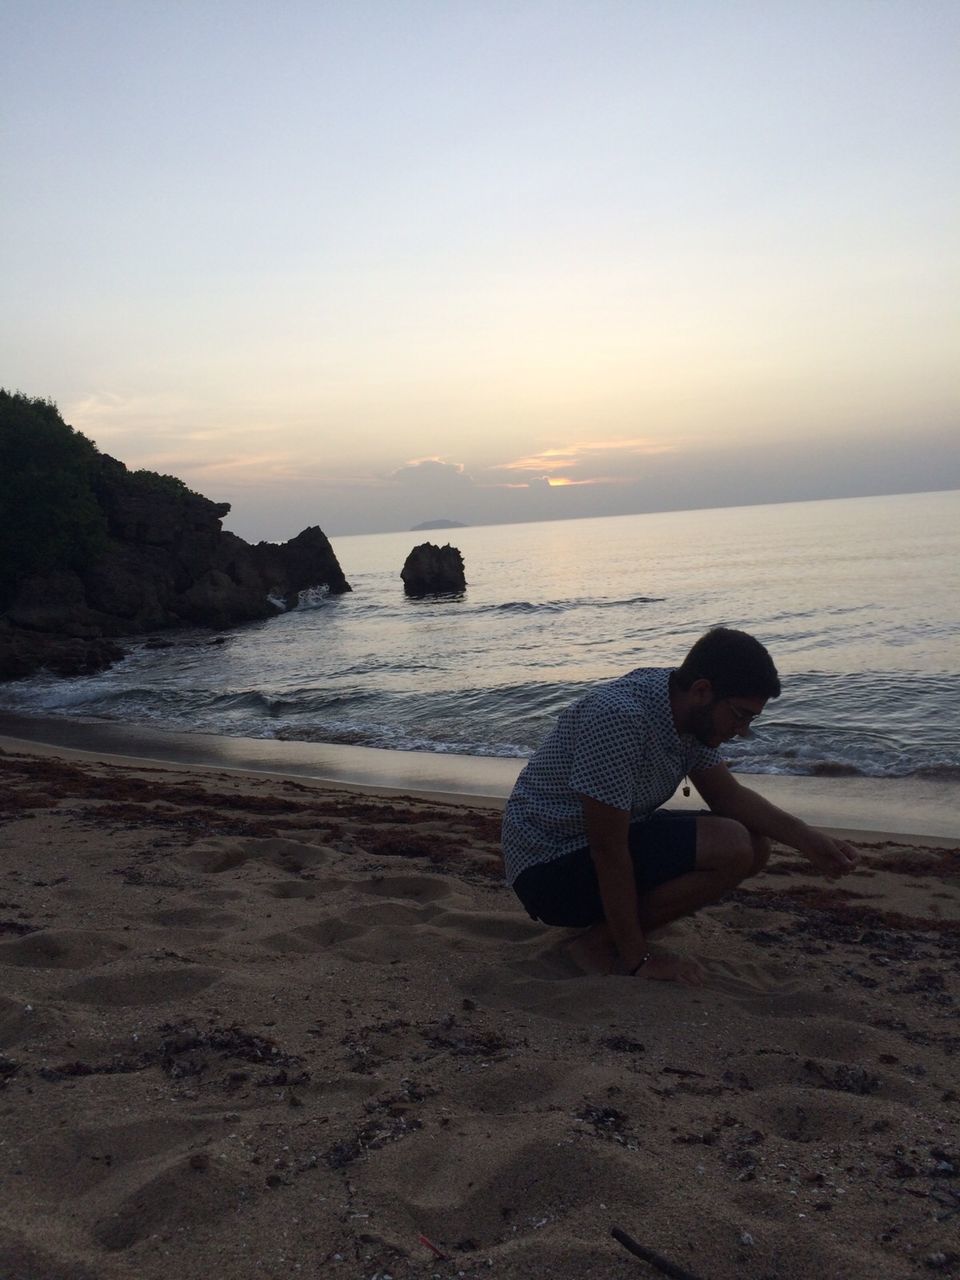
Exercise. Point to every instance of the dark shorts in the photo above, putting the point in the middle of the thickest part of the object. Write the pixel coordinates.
(565, 891)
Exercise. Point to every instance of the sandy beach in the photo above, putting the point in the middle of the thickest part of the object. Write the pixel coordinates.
(256, 1026)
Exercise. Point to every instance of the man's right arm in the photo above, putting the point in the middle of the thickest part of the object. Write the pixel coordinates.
(608, 837)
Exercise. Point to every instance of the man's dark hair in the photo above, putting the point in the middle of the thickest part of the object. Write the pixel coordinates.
(737, 665)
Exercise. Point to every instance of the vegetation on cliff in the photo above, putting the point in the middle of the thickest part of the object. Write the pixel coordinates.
(90, 550)
(50, 517)
(55, 489)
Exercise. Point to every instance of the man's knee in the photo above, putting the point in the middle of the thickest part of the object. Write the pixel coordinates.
(727, 847)
(761, 852)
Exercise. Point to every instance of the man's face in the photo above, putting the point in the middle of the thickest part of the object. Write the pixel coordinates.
(722, 719)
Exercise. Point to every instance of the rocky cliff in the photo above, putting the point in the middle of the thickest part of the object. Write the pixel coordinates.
(160, 559)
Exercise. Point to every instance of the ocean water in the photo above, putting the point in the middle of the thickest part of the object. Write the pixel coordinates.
(858, 600)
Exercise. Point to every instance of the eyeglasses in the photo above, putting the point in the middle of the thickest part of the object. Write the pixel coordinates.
(740, 714)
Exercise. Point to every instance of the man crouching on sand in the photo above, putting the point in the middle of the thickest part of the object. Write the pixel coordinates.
(584, 839)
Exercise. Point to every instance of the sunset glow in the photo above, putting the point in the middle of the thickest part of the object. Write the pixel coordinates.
(489, 263)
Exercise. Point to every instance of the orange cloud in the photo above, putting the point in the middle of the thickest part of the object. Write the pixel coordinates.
(549, 460)
(582, 451)
(432, 461)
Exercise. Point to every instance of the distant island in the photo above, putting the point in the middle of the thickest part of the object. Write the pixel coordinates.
(437, 524)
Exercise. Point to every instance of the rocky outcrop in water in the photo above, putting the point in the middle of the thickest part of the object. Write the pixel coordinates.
(154, 553)
(432, 570)
(171, 565)
(22, 653)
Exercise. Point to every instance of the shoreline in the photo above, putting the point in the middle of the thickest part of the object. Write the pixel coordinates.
(869, 806)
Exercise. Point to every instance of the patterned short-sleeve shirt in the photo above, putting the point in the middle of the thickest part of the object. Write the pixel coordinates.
(619, 745)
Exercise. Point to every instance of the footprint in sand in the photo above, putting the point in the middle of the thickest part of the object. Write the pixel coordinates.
(105, 1151)
(833, 1060)
(61, 949)
(503, 1190)
(805, 1115)
(326, 933)
(213, 856)
(829, 1035)
(217, 895)
(350, 927)
(409, 887)
(389, 912)
(747, 978)
(796, 1000)
(497, 926)
(18, 1258)
(17, 1022)
(180, 1197)
(506, 1087)
(220, 853)
(194, 918)
(308, 890)
(154, 987)
(25, 1019)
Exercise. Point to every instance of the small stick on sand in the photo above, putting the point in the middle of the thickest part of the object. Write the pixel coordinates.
(657, 1260)
(444, 1257)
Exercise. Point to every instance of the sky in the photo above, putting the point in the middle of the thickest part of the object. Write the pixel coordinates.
(368, 263)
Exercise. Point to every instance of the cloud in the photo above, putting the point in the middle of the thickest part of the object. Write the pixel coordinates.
(436, 478)
(108, 414)
(430, 472)
(707, 476)
(587, 462)
(275, 465)
(579, 464)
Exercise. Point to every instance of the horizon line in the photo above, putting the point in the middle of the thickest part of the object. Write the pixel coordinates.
(655, 511)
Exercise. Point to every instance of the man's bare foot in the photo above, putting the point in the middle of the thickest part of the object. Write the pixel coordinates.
(593, 951)
(662, 967)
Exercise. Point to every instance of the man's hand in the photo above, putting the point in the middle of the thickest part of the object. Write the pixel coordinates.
(832, 858)
(730, 799)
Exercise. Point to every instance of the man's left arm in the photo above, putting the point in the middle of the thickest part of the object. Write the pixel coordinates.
(728, 798)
